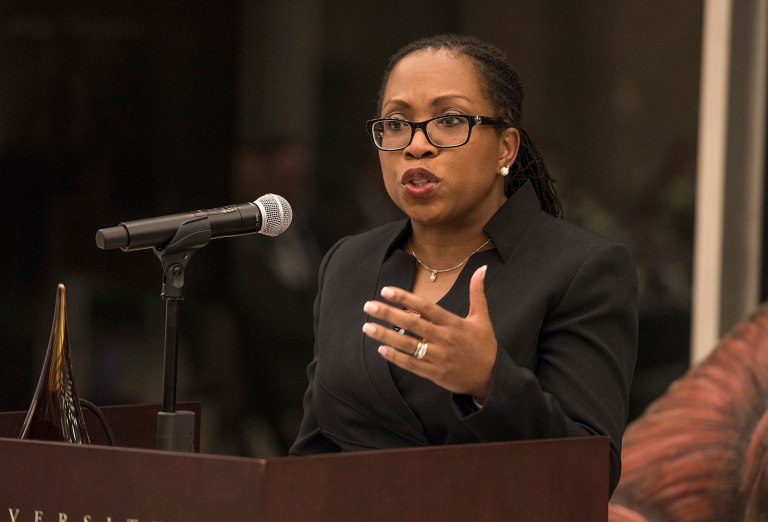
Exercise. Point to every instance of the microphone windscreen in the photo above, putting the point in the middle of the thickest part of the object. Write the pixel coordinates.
(276, 213)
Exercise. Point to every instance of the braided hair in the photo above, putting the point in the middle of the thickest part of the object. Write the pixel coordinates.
(504, 90)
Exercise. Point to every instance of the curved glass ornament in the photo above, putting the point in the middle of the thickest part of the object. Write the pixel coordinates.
(55, 412)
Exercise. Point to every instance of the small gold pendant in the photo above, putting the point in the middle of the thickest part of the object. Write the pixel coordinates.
(433, 276)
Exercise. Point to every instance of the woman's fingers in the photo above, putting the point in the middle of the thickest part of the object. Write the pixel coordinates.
(427, 309)
(422, 367)
(457, 353)
(387, 336)
(478, 304)
(417, 324)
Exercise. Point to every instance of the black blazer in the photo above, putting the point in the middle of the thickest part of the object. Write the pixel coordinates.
(563, 303)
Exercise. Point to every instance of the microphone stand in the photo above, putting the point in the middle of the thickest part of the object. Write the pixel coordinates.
(176, 429)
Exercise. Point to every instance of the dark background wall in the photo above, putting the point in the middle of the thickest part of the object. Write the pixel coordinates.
(111, 112)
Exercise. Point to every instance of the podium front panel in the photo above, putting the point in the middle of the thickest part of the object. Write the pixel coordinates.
(542, 480)
(46, 481)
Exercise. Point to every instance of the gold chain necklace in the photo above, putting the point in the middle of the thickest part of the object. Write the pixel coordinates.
(435, 271)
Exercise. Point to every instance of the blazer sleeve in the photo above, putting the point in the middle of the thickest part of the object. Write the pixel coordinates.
(579, 383)
(310, 438)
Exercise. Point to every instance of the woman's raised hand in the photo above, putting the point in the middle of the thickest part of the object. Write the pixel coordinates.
(456, 353)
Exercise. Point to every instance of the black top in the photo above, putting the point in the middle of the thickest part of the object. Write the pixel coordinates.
(563, 303)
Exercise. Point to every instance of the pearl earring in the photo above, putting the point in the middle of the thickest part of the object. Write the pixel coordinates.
(504, 171)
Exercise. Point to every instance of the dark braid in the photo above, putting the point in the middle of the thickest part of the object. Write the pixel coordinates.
(529, 165)
(504, 90)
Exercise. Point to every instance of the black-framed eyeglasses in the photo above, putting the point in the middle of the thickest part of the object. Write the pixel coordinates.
(445, 132)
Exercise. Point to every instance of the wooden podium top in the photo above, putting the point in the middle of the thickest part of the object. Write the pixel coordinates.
(542, 480)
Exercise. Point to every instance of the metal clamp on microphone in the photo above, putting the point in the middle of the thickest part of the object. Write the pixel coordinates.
(270, 215)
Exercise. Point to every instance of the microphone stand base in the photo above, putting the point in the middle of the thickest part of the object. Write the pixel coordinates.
(176, 431)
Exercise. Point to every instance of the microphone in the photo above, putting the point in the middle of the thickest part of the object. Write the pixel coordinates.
(270, 215)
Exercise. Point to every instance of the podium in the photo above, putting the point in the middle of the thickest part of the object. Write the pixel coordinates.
(541, 480)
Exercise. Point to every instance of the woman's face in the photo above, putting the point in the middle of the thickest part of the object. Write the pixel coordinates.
(456, 187)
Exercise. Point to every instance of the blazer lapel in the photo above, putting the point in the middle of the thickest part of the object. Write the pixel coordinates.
(397, 270)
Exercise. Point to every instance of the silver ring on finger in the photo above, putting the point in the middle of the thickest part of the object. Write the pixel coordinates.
(421, 350)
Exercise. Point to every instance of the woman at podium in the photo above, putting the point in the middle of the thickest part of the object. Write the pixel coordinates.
(483, 316)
